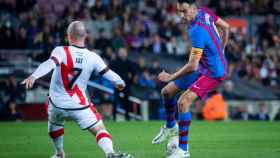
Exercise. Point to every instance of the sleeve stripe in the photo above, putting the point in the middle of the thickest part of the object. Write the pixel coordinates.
(104, 71)
(55, 60)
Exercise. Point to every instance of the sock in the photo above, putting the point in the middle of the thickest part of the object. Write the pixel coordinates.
(104, 141)
(56, 134)
(184, 123)
(170, 111)
(58, 143)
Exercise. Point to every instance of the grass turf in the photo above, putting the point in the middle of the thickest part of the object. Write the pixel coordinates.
(207, 140)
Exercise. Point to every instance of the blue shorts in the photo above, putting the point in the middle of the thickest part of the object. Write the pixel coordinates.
(186, 81)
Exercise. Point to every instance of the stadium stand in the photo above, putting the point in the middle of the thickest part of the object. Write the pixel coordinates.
(150, 30)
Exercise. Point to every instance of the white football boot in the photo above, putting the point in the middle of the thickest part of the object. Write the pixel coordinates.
(172, 145)
(179, 153)
(165, 133)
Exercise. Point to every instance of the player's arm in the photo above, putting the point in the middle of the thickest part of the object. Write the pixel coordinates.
(43, 69)
(198, 41)
(191, 66)
(225, 27)
(104, 71)
(115, 79)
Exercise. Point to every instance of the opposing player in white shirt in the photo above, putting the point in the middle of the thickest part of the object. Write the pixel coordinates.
(73, 66)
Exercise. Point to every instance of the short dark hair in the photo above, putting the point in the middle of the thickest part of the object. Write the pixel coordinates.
(186, 1)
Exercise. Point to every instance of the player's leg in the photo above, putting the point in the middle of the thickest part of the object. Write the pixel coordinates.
(104, 141)
(199, 89)
(171, 90)
(56, 134)
(170, 128)
(184, 103)
(184, 119)
(56, 130)
(89, 119)
(168, 93)
(103, 138)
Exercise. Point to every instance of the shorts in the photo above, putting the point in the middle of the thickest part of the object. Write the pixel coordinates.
(200, 84)
(186, 81)
(86, 118)
(204, 85)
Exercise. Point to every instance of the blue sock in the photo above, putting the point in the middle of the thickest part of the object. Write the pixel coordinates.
(170, 111)
(184, 123)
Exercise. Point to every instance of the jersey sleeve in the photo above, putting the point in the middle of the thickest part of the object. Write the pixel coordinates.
(57, 55)
(43, 69)
(99, 64)
(212, 15)
(198, 38)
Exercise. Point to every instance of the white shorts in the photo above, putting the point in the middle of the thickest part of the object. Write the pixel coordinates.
(86, 118)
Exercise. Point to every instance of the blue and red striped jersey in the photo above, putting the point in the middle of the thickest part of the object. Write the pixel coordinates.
(203, 34)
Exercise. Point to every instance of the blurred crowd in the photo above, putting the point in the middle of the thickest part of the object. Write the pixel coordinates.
(145, 26)
(10, 95)
(215, 108)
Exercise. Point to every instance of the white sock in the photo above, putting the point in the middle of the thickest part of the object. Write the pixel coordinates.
(58, 143)
(104, 141)
(56, 133)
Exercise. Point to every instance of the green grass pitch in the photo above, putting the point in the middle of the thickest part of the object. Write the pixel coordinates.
(207, 140)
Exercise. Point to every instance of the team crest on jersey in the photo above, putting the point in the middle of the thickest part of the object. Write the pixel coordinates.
(207, 19)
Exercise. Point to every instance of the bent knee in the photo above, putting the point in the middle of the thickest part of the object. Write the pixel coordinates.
(185, 101)
(164, 92)
(168, 92)
(183, 105)
(182, 102)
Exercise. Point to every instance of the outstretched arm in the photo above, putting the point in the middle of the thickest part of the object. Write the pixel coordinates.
(115, 79)
(198, 41)
(45, 67)
(42, 70)
(191, 66)
(224, 26)
(103, 70)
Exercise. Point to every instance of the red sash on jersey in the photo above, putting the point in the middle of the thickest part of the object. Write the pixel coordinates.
(68, 70)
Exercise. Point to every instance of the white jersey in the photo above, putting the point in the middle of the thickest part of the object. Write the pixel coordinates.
(71, 75)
